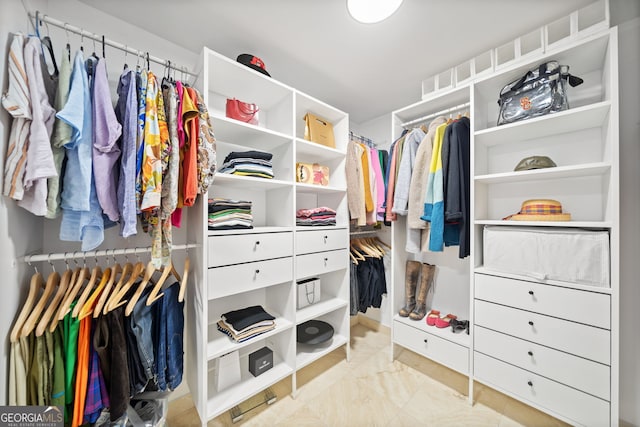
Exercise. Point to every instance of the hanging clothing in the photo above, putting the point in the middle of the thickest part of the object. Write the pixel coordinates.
(151, 185)
(17, 101)
(40, 165)
(105, 153)
(403, 179)
(62, 134)
(190, 114)
(18, 363)
(169, 200)
(389, 215)
(355, 183)
(126, 114)
(207, 160)
(434, 199)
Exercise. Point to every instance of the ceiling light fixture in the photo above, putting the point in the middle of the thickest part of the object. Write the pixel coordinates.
(372, 11)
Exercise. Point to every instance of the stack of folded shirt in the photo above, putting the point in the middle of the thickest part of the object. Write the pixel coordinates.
(226, 214)
(248, 163)
(246, 323)
(316, 216)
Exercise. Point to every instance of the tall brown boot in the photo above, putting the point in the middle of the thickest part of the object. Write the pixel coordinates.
(421, 300)
(411, 273)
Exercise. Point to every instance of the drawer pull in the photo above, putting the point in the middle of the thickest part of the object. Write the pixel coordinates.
(325, 238)
(257, 271)
(325, 261)
(530, 292)
(530, 383)
(425, 340)
(531, 322)
(257, 242)
(530, 353)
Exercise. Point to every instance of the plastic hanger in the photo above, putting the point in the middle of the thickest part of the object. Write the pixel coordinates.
(36, 282)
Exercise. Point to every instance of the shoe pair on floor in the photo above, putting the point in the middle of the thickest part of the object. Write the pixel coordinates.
(418, 279)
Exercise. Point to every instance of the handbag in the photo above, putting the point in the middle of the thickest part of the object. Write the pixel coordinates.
(540, 91)
(242, 111)
(318, 130)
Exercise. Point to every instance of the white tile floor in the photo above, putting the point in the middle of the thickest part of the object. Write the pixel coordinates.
(372, 391)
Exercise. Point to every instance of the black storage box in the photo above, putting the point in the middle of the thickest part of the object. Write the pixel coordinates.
(260, 361)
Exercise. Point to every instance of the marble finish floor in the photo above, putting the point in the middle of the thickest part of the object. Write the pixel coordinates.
(372, 391)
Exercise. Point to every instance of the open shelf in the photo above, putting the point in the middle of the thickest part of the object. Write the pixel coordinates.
(441, 101)
(249, 182)
(317, 151)
(222, 344)
(460, 338)
(318, 189)
(306, 354)
(254, 230)
(559, 172)
(221, 401)
(318, 309)
(237, 132)
(539, 127)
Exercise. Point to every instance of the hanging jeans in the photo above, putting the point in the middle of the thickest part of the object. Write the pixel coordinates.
(142, 324)
(168, 339)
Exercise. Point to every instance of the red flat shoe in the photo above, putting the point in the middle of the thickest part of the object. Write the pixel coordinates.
(444, 322)
(432, 316)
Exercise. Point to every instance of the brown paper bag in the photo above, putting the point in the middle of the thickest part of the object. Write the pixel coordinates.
(318, 130)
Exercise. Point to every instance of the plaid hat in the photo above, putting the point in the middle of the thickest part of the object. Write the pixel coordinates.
(534, 162)
(540, 210)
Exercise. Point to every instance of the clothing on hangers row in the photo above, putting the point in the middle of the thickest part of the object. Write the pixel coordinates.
(90, 339)
(367, 273)
(71, 154)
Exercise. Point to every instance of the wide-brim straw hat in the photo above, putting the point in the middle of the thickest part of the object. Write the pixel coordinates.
(540, 210)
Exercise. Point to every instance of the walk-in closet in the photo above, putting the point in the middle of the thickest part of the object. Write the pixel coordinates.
(363, 213)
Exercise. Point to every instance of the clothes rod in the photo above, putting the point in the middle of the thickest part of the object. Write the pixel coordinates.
(436, 114)
(94, 254)
(37, 16)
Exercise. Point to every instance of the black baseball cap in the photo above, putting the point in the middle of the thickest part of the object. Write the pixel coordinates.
(253, 62)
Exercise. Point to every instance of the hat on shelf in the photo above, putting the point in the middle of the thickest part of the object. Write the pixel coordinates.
(253, 62)
(540, 210)
(535, 162)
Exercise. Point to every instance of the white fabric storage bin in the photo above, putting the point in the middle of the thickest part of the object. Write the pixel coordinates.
(563, 254)
(308, 292)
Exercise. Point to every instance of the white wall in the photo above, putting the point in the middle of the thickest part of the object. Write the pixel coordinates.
(629, 56)
(20, 232)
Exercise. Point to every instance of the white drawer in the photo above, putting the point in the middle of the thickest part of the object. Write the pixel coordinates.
(581, 340)
(580, 407)
(239, 248)
(554, 364)
(435, 348)
(235, 279)
(321, 240)
(322, 262)
(572, 304)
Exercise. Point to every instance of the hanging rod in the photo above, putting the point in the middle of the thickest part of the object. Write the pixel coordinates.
(362, 139)
(94, 254)
(37, 16)
(436, 114)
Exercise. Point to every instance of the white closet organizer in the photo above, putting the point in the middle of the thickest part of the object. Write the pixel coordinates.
(552, 344)
(450, 290)
(260, 266)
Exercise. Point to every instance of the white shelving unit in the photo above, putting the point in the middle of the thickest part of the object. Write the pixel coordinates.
(260, 266)
(551, 344)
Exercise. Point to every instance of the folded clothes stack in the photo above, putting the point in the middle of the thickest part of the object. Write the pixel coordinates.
(227, 214)
(322, 216)
(248, 163)
(244, 324)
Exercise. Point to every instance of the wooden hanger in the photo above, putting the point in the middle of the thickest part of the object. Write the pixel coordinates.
(48, 315)
(113, 298)
(116, 300)
(32, 320)
(101, 304)
(151, 268)
(96, 273)
(36, 282)
(183, 282)
(168, 269)
(89, 305)
(81, 273)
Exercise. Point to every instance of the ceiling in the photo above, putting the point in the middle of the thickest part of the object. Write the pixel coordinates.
(315, 46)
